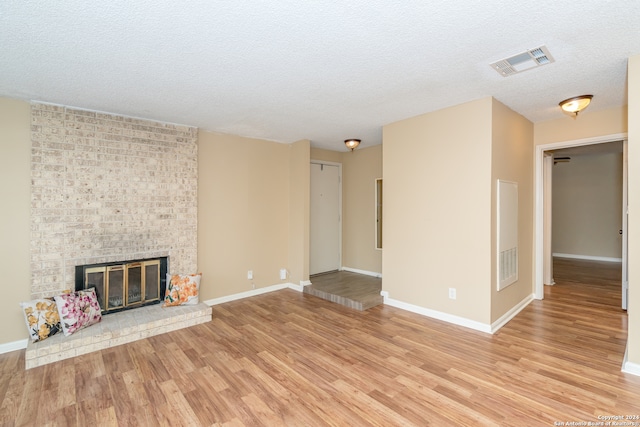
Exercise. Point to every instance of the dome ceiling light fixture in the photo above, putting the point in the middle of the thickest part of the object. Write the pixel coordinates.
(576, 104)
(352, 143)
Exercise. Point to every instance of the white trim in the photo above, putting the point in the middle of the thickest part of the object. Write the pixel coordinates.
(304, 283)
(547, 207)
(375, 216)
(587, 257)
(625, 224)
(456, 320)
(629, 367)
(253, 292)
(299, 288)
(505, 318)
(325, 162)
(365, 272)
(13, 346)
(539, 190)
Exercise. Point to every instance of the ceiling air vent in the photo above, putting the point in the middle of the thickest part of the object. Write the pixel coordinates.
(523, 61)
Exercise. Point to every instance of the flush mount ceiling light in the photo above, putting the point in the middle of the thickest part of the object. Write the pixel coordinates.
(352, 143)
(576, 104)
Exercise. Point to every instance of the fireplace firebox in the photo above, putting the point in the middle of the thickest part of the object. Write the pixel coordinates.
(125, 285)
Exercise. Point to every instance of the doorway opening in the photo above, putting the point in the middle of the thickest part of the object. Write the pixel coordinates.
(543, 161)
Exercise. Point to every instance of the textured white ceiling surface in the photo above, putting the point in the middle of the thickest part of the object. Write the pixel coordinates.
(320, 70)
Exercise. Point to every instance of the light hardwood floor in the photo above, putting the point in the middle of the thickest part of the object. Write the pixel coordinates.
(287, 358)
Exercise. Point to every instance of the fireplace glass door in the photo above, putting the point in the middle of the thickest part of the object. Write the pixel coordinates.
(115, 287)
(151, 280)
(134, 283)
(95, 277)
(126, 285)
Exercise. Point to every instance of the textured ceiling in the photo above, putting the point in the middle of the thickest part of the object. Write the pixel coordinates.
(320, 70)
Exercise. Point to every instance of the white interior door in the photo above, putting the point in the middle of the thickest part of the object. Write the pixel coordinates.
(324, 228)
(625, 240)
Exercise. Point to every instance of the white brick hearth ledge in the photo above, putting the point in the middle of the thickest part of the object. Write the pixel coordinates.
(116, 329)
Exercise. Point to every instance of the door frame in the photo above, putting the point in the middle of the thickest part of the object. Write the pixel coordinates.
(625, 223)
(339, 165)
(539, 216)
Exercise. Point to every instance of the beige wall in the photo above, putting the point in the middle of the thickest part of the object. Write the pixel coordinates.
(251, 207)
(326, 155)
(360, 169)
(633, 343)
(512, 160)
(299, 176)
(15, 192)
(437, 210)
(243, 213)
(587, 206)
(589, 124)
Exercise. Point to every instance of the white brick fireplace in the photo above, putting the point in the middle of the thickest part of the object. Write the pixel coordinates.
(107, 188)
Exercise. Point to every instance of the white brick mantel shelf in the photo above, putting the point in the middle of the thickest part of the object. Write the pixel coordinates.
(116, 329)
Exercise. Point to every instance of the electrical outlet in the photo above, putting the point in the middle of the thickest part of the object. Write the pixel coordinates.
(250, 275)
(283, 274)
(452, 293)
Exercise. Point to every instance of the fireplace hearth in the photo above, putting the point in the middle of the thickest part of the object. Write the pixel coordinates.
(125, 285)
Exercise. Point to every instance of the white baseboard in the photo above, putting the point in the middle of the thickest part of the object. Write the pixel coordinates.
(587, 257)
(355, 270)
(629, 367)
(456, 320)
(253, 292)
(13, 346)
(304, 283)
(299, 288)
(504, 319)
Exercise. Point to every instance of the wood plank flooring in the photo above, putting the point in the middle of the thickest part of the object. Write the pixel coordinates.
(357, 291)
(291, 359)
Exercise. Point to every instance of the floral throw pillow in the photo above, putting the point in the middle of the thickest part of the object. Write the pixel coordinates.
(78, 310)
(42, 318)
(182, 289)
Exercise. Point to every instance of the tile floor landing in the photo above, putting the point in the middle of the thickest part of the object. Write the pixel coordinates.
(353, 290)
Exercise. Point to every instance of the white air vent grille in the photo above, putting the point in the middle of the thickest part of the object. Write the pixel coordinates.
(523, 61)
